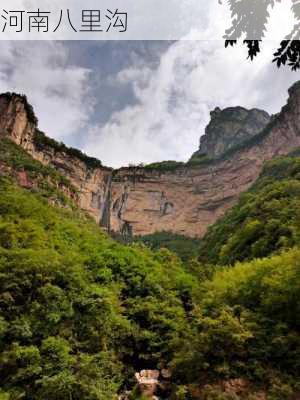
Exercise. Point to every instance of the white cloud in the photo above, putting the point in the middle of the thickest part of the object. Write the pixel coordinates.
(173, 101)
(58, 92)
(193, 77)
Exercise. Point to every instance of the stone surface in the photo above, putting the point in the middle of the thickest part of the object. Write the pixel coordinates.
(92, 184)
(235, 386)
(23, 180)
(195, 197)
(230, 127)
(140, 201)
(148, 381)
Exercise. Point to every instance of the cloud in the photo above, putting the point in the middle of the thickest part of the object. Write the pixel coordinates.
(168, 101)
(58, 91)
(163, 94)
(173, 100)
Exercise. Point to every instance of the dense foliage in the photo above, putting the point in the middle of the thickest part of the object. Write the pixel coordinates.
(186, 248)
(248, 325)
(164, 166)
(48, 181)
(266, 219)
(196, 160)
(76, 306)
(80, 313)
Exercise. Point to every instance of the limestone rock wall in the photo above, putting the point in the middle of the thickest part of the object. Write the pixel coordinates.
(92, 184)
(190, 199)
(230, 127)
(140, 201)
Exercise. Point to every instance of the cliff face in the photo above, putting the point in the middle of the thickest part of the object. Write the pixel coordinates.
(18, 123)
(230, 127)
(190, 199)
(141, 201)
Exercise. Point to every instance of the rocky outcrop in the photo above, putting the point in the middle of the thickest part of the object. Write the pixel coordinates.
(191, 198)
(230, 127)
(17, 121)
(138, 201)
(147, 381)
(150, 382)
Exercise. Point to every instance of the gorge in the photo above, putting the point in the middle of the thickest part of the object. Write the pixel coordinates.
(180, 198)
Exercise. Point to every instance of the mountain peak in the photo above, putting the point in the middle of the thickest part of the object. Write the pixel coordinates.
(10, 99)
(230, 127)
(141, 201)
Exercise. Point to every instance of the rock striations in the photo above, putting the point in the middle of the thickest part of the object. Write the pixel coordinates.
(185, 200)
(229, 128)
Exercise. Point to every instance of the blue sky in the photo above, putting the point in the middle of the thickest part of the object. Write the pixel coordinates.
(138, 101)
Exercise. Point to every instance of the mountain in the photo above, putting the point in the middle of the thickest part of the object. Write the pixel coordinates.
(79, 313)
(229, 128)
(180, 198)
(265, 221)
(83, 317)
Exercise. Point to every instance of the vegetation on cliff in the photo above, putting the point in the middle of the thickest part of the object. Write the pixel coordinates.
(43, 142)
(246, 319)
(164, 166)
(247, 325)
(79, 312)
(49, 182)
(170, 166)
(28, 107)
(186, 248)
(266, 219)
(76, 307)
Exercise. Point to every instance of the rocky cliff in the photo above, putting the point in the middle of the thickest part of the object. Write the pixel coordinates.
(230, 127)
(18, 122)
(140, 201)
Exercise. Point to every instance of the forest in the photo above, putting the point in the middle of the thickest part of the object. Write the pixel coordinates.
(80, 313)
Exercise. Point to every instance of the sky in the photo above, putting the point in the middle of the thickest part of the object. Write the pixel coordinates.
(131, 102)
